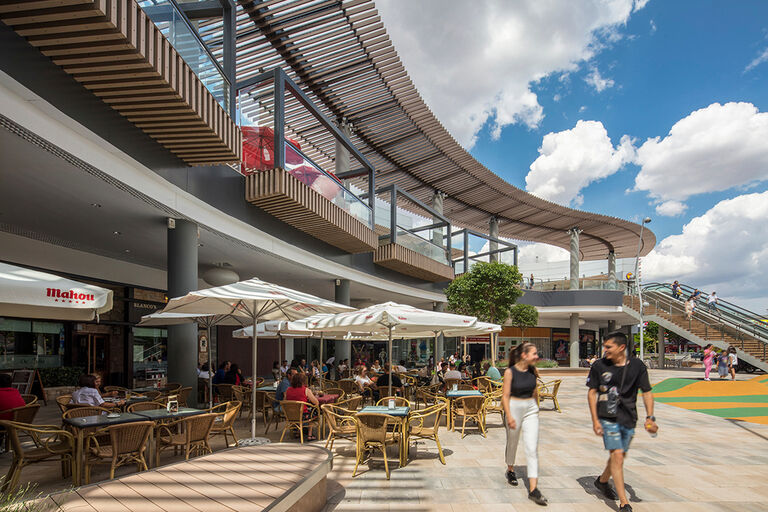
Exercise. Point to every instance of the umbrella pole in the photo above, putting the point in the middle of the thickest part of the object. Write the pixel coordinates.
(322, 359)
(389, 389)
(210, 367)
(253, 385)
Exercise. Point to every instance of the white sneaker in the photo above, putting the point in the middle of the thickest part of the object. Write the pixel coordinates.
(707, 379)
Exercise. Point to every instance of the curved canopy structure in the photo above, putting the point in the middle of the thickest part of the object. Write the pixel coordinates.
(339, 52)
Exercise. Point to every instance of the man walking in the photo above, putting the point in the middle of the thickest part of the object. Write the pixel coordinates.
(613, 383)
(712, 303)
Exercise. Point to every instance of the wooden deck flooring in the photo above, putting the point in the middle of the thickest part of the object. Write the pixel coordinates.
(275, 477)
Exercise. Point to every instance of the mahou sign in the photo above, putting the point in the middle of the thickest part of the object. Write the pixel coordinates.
(70, 295)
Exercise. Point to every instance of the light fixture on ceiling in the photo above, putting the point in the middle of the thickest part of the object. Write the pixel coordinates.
(96, 205)
(220, 276)
(127, 250)
(117, 233)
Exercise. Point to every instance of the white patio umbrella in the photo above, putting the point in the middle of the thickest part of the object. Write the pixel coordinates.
(34, 294)
(405, 321)
(206, 321)
(253, 301)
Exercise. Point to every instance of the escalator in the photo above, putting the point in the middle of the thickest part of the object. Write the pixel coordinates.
(725, 325)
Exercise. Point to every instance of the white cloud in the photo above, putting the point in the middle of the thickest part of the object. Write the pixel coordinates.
(572, 159)
(476, 68)
(671, 208)
(757, 61)
(724, 250)
(533, 253)
(639, 4)
(597, 81)
(653, 26)
(713, 149)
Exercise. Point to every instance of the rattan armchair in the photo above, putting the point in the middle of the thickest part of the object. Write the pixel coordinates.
(466, 386)
(425, 424)
(294, 417)
(29, 399)
(548, 391)
(172, 388)
(224, 391)
(340, 423)
(145, 406)
(50, 442)
(349, 387)
(450, 382)
(153, 395)
(335, 391)
(183, 395)
(119, 389)
(84, 410)
(352, 402)
(243, 395)
(224, 423)
(25, 414)
(373, 434)
(127, 444)
(62, 401)
(399, 401)
(493, 405)
(193, 436)
(469, 408)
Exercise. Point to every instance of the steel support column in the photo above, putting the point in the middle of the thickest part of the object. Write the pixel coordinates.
(611, 270)
(575, 253)
(660, 346)
(493, 246)
(574, 339)
(341, 295)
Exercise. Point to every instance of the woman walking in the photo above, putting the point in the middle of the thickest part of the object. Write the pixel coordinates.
(521, 413)
(709, 354)
(733, 362)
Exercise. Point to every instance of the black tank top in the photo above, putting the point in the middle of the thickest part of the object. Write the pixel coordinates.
(523, 383)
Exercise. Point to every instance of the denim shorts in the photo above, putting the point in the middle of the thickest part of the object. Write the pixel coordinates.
(616, 436)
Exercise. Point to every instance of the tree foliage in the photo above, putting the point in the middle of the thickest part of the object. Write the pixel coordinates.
(523, 316)
(488, 291)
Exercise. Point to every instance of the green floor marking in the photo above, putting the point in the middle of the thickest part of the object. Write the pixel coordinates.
(735, 412)
(672, 384)
(759, 399)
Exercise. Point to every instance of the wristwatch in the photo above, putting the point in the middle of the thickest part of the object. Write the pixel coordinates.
(652, 418)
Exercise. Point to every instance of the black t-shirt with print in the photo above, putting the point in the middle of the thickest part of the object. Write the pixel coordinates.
(604, 374)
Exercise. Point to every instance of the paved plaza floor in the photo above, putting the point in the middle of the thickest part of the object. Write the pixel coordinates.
(697, 463)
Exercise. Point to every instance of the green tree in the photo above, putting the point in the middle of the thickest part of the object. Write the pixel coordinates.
(488, 291)
(523, 316)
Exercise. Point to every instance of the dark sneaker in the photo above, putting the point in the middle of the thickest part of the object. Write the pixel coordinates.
(625, 508)
(511, 478)
(536, 497)
(605, 489)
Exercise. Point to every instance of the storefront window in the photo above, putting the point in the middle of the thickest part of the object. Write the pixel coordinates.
(30, 343)
(150, 356)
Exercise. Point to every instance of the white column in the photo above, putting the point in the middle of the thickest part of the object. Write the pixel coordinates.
(611, 270)
(574, 338)
(493, 230)
(437, 205)
(574, 284)
(341, 295)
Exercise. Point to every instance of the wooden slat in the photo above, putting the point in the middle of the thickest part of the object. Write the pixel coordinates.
(283, 196)
(409, 262)
(114, 50)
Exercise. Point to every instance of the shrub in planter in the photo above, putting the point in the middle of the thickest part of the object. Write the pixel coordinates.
(546, 363)
(61, 376)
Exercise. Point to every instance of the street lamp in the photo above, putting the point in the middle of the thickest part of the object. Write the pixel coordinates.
(637, 285)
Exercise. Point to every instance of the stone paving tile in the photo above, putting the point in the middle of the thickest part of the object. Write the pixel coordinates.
(680, 470)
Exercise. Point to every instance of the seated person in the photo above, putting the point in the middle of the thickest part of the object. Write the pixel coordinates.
(401, 367)
(452, 373)
(365, 384)
(299, 392)
(492, 372)
(204, 372)
(10, 398)
(376, 366)
(283, 387)
(218, 378)
(397, 384)
(234, 376)
(88, 392)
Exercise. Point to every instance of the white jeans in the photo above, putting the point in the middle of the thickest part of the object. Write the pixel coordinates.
(526, 415)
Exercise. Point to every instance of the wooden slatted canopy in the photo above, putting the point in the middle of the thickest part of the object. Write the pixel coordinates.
(114, 50)
(338, 51)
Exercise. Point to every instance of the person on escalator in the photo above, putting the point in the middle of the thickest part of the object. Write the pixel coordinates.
(676, 290)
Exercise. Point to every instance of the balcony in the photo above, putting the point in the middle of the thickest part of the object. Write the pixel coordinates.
(406, 249)
(115, 50)
(283, 180)
(470, 247)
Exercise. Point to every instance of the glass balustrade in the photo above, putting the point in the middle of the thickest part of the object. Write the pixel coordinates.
(187, 42)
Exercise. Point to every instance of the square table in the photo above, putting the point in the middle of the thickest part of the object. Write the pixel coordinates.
(398, 412)
(268, 388)
(459, 393)
(95, 422)
(163, 414)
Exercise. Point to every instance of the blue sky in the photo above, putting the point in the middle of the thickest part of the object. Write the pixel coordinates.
(575, 102)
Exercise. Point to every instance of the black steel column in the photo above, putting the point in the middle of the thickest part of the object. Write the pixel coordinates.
(341, 296)
(182, 278)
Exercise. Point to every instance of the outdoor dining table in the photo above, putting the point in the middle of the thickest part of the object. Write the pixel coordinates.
(80, 425)
(401, 414)
(164, 414)
(268, 388)
(451, 395)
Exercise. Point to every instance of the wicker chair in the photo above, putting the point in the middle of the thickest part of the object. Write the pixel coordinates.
(349, 387)
(373, 433)
(548, 391)
(493, 405)
(224, 391)
(352, 403)
(25, 414)
(243, 395)
(145, 406)
(172, 388)
(469, 407)
(426, 394)
(258, 382)
(51, 442)
(119, 389)
(127, 444)
(399, 401)
(183, 395)
(294, 417)
(340, 423)
(195, 431)
(29, 399)
(153, 395)
(264, 400)
(466, 386)
(85, 410)
(424, 424)
(62, 401)
(225, 420)
(450, 382)
(335, 391)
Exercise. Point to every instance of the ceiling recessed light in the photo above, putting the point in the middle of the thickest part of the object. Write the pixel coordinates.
(127, 250)
(116, 233)
(96, 205)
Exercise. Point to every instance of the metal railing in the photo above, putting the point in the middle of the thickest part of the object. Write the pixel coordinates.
(724, 319)
(183, 36)
(506, 252)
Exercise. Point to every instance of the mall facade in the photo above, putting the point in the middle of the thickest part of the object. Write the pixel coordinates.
(154, 147)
